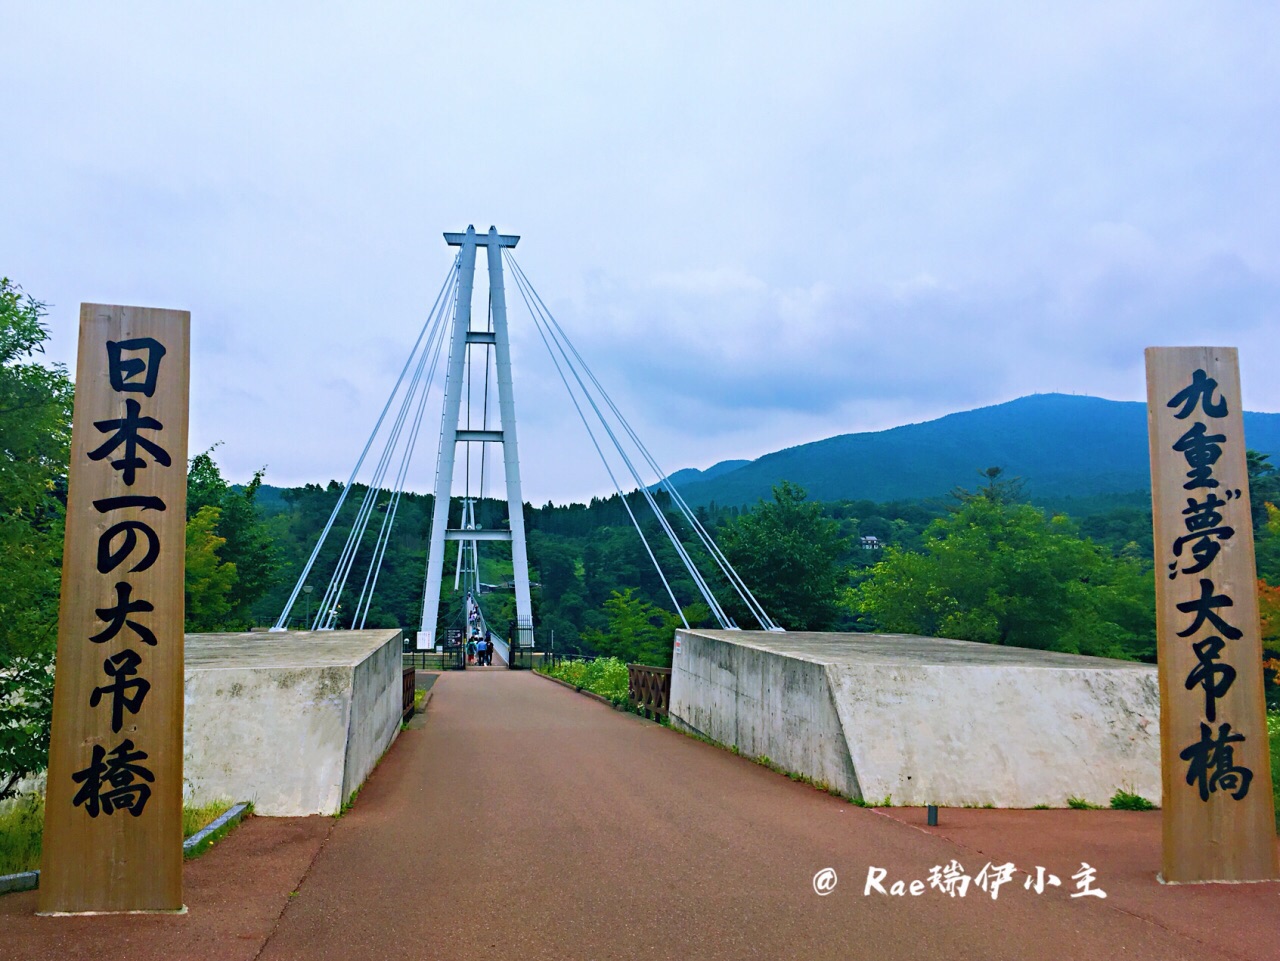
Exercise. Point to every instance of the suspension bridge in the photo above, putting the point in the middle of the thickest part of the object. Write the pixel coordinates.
(522, 819)
(471, 353)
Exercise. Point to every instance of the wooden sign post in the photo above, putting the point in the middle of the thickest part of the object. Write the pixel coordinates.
(113, 804)
(1216, 769)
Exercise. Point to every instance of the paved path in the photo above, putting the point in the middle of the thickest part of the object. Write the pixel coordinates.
(524, 821)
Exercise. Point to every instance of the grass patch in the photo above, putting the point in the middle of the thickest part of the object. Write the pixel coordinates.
(419, 697)
(195, 818)
(198, 817)
(22, 828)
(350, 802)
(1125, 801)
(1080, 804)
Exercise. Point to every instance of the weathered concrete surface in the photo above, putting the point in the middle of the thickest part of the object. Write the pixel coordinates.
(925, 720)
(293, 721)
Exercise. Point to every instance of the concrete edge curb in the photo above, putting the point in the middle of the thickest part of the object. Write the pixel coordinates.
(30, 880)
(26, 881)
(230, 817)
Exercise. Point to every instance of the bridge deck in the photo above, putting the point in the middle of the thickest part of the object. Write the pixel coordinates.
(525, 821)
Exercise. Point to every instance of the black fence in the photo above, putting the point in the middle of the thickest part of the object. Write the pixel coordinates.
(552, 658)
(537, 650)
(450, 659)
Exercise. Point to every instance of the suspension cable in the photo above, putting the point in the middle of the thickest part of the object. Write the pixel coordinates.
(735, 580)
(328, 614)
(683, 555)
(389, 517)
(450, 281)
(690, 567)
(590, 433)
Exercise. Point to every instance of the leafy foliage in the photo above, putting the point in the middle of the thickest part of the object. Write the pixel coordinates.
(21, 834)
(1007, 574)
(1273, 735)
(26, 713)
(638, 632)
(209, 579)
(35, 435)
(789, 554)
(231, 561)
(606, 676)
(1264, 485)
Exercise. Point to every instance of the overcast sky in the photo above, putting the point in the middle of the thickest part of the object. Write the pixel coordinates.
(763, 224)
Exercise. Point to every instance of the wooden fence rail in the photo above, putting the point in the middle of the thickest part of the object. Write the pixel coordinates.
(408, 683)
(649, 689)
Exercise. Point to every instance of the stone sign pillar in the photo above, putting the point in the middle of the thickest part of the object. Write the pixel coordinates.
(1216, 768)
(113, 807)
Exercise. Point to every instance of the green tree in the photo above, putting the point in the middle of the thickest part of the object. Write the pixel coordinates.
(1006, 573)
(638, 632)
(206, 486)
(245, 540)
(788, 554)
(997, 489)
(35, 435)
(1264, 485)
(26, 715)
(209, 579)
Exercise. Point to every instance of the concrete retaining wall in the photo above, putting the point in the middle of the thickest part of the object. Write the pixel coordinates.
(925, 720)
(293, 721)
(762, 704)
(376, 710)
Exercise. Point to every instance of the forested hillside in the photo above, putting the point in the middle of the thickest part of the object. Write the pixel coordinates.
(584, 556)
(1063, 446)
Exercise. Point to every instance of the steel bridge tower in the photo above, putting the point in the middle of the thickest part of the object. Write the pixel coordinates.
(462, 340)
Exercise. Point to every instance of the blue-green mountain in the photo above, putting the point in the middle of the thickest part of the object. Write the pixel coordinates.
(1062, 446)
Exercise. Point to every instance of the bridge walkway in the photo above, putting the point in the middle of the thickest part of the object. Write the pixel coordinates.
(526, 821)
(519, 819)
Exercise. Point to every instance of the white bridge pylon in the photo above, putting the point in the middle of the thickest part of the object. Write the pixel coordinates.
(625, 459)
(463, 339)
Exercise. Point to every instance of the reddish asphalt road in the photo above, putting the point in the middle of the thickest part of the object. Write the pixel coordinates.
(524, 821)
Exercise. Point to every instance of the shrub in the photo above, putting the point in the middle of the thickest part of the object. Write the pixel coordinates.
(1124, 801)
(606, 676)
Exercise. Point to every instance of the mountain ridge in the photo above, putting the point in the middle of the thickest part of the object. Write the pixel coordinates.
(1061, 445)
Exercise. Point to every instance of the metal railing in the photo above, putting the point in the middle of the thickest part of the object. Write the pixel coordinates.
(524, 659)
(449, 659)
(552, 658)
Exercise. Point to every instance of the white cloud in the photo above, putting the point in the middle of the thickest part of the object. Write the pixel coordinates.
(761, 228)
